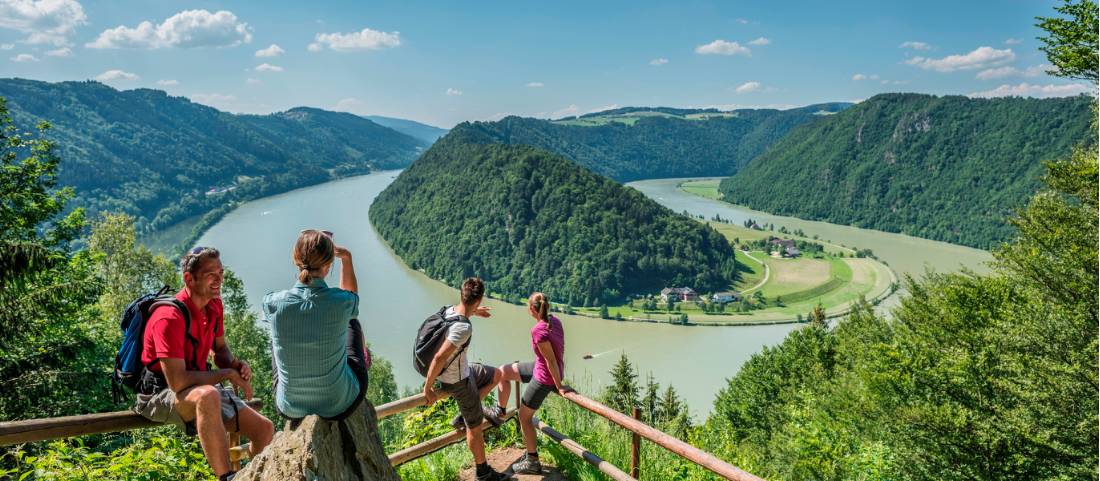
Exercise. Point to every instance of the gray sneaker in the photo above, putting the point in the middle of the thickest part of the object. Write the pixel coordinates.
(527, 465)
(494, 414)
(494, 476)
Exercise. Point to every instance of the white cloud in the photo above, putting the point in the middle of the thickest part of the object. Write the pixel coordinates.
(760, 41)
(857, 77)
(742, 21)
(168, 83)
(116, 75)
(722, 47)
(187, 29)
(915, 45)
(1033, 90)
(365, 39)
(24, 57)
(350, 104)
(979, 58)
(252, 81)
(570, 111)
(601, 109)
(266, 67)
(60, 52)
(536, 85)
(657, 62)
(7, 46)
(1002, 72)
(1013, 41)
(749, 87)
(44, 21)
(453, 92)
(272, 51)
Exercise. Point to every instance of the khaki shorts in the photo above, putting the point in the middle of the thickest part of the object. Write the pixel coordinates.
(161, 407)
(465, 393)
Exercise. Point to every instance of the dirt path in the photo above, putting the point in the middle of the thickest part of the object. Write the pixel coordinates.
(502, 459)
(767, 273)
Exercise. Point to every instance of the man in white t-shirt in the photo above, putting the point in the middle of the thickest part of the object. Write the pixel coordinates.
(467, 383)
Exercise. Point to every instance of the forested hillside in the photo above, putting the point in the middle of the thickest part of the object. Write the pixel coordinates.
(154, 156)
(947, 168)
(525, 219)
(656, 142)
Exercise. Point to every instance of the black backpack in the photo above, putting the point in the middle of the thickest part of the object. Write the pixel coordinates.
(129, 369)
(430, 336)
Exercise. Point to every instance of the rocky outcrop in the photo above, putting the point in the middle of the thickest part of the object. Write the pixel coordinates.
(320, 450)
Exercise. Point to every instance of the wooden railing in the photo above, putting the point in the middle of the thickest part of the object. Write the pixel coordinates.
(17, 432)
(671, 443)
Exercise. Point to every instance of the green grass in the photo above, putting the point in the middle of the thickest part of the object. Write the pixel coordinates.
(734, 232)
(164, 240)
(751, 275)
(703, 188)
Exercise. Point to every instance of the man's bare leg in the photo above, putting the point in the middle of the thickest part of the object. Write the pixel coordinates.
(203, 404)
(508, 374)
(484, 391)
(475, 440)
(258, 429)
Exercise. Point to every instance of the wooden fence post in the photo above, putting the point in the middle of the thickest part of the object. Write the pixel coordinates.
(636, 448)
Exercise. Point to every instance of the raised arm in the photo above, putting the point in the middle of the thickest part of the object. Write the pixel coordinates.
(347, 271)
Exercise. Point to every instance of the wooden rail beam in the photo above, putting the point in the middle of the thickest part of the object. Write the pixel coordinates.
(435, 444)
(405, 404)
(671, 443)
(32, 430)
(572, 446)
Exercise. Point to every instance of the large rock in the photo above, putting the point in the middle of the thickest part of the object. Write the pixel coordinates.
(321, 450)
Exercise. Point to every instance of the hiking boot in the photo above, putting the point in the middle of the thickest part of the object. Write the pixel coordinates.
(458, 423)
(527, 465)
(495, 414)
(492, 475)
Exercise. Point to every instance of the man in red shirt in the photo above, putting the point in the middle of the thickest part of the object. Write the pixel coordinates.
(177, 387)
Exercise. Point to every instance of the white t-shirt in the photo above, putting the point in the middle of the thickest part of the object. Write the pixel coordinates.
(457, 334)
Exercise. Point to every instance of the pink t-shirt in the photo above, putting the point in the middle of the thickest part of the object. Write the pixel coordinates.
(552, 332)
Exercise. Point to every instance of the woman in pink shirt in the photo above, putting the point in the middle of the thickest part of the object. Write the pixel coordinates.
(542, 376)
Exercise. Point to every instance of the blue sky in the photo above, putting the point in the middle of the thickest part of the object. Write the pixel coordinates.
(445, 62)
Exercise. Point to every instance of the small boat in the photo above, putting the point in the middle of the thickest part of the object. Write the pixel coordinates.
(588, 356)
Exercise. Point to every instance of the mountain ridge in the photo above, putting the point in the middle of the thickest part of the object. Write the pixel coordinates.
(949, 168)
(165, 158)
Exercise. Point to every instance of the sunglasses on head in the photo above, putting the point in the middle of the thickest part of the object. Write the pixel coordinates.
(197, 250)
(325, 232)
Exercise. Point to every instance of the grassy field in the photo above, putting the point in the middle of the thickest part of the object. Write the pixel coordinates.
(703, 188)
(789, 286)
(164, 240)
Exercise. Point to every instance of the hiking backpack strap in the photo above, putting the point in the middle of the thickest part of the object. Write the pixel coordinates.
(187, 335)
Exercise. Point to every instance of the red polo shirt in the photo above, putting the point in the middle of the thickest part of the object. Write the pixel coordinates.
(164, 333)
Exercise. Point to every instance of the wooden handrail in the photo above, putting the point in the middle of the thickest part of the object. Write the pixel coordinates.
(435, 444)
(572, 446)
(32, 430)
(405, 404)
(685, 450)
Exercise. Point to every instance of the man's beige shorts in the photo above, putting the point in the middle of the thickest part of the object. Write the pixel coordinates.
(161, 407)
